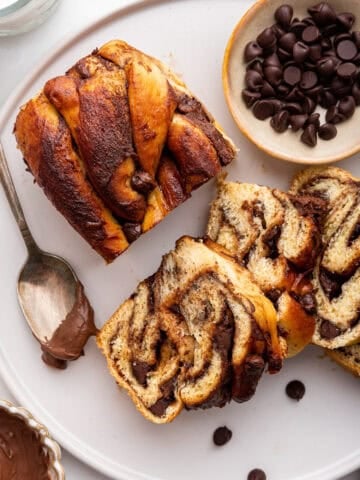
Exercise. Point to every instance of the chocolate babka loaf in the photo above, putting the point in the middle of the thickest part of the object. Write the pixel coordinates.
(117, 143)
(196, 334)
(336, 276)
(275, 236)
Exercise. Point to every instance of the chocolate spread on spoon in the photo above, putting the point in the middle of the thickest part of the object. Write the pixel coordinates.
(69, 339)
(21, 453)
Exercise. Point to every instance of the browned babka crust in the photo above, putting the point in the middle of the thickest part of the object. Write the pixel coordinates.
(141, 140)
(336, 276)
(275, 236)
(195, 335)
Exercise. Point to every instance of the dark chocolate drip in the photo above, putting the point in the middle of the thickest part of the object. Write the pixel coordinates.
(69, 339)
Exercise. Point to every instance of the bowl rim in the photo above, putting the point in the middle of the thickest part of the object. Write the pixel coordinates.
(42, 431)
(247, 16)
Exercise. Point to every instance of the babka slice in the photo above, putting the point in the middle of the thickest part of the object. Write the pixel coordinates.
(141, 143)
(196, 334)
(336, 276)
(274, 235)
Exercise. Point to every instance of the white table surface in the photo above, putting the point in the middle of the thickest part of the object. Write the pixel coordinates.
(18, 55)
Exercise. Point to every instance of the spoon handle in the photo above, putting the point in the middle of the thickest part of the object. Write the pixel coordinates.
(13, 199)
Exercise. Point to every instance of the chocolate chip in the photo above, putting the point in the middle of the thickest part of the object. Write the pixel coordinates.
(298, 121)
(292, 75)
(221, 436)
(297, 27)
(309, 136)
(266, 38)
(308, 80)
(356, 93)
(272, 61)
(252, 51)
(309, 21)
(283, 15)
(142, 182)
(256, 474)
(132, 231)
(277, 104)
(330, 30)
(342, 36)
(253, 80)
(287, 41)
(295, 95)
(273, 75)
(310, 34)
(140, 370)
(323, 14)
(314, 119)
(356, 60)
(267, 90)
(346, 50)
(300, 52)
(308, 303)
(280, 121)
(328, 330)
(283, 90)
(326, 66)
(284, 55)
(315, 52)
(278, 31)
(326, 43)
(347, 106)
(347, 70)
(327, 99)
(308, 105)
(250, 97)
(333, 115)
(356, 38)
(345, 20)
(263, 109)
(295, 390)
(315, 92)
(340, 87)
(255, 65)
(327, 131)
(293, 108)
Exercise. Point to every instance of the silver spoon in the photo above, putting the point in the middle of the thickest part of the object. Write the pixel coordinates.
(50, 294)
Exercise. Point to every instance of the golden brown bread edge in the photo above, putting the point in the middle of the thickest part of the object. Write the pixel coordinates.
(336, 274)
(196, 334)
(141, 140)
(46, 144)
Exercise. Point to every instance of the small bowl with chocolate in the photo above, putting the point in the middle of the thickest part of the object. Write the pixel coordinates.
(26, 448)
(291, 78)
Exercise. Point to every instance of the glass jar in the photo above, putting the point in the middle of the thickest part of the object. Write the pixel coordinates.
(18, 16)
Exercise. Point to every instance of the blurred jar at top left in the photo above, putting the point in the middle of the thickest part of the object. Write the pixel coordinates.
(18, 16)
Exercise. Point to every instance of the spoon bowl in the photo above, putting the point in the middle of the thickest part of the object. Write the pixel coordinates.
(47, 292)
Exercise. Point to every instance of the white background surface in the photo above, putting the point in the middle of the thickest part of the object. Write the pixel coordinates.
(17, 56)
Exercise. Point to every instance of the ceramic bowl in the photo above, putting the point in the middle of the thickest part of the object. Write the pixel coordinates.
(286, 146)
(56, 471)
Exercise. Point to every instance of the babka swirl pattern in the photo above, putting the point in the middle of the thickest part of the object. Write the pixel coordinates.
(336, 276)
(275, 236)
(117, 143)
(196, 334)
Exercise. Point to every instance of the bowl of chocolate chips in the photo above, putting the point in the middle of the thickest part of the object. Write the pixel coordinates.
(291, 78)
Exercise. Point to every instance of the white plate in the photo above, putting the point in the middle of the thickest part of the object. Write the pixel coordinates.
(315, 439)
